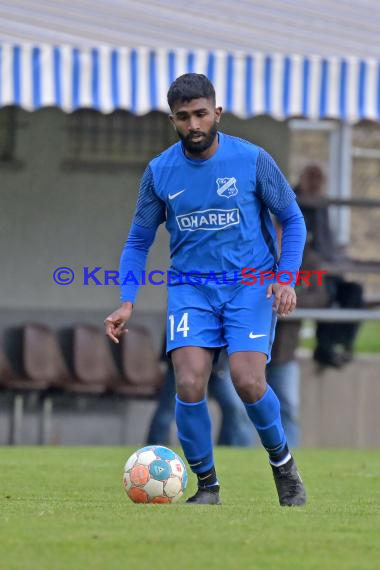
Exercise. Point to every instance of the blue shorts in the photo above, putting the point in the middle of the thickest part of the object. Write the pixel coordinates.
(238, 317)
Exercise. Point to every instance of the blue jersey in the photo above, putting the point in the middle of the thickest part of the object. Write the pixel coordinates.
(216, 210)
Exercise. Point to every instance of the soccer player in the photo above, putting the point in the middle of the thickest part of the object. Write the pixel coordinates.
(215, 193)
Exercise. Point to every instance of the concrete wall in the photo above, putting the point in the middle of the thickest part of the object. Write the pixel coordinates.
(51, 217)
(340, 408)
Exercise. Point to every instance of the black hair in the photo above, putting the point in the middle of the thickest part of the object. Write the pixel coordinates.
(190, 86)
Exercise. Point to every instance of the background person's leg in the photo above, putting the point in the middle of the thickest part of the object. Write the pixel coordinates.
(236, 427)
(349, 295)
(285, 381)
(159, 430)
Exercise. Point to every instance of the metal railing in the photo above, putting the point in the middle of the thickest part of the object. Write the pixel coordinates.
(335, 314)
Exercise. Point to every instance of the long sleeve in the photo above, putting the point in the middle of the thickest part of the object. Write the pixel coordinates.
(149, 214)
(277, 195)
(292, 241)
(272, 187)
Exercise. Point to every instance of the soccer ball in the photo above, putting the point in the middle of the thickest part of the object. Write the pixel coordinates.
(155, 474)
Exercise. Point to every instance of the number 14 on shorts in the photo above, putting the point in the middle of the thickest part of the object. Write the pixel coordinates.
(182, 326)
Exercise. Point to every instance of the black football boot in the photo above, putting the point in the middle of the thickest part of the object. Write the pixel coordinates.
(290, 489)
(205, 496)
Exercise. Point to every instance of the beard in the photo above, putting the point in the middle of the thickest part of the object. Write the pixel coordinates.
(204, 143)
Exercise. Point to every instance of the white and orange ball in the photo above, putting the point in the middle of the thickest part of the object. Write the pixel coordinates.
(155, 474)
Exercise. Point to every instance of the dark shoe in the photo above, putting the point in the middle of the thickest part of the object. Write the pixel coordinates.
(347, 356)
(328, 358)
(290, 489)
(205, 496)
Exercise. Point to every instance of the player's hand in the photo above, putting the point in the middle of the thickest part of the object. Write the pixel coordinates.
(285, 299)
(115, 322)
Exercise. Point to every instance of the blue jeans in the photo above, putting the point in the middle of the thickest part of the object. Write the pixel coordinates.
(285, 381)
(236, 427)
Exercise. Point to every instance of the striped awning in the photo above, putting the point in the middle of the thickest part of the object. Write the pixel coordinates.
(137, 80)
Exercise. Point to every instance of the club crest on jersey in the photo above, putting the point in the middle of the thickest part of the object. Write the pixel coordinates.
(226, 187)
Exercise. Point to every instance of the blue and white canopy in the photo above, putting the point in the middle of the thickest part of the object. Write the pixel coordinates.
(137, 80)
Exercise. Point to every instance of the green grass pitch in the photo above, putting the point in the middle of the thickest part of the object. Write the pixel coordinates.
(65, 508)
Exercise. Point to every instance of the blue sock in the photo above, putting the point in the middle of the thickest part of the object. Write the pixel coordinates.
(265, 416)
(194, 434)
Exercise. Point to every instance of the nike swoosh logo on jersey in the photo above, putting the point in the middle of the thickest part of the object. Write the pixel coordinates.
(172, 196)
(251, 335)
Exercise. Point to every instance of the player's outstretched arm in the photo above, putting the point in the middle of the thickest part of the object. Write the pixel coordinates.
(115, 322)
(149, 214)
